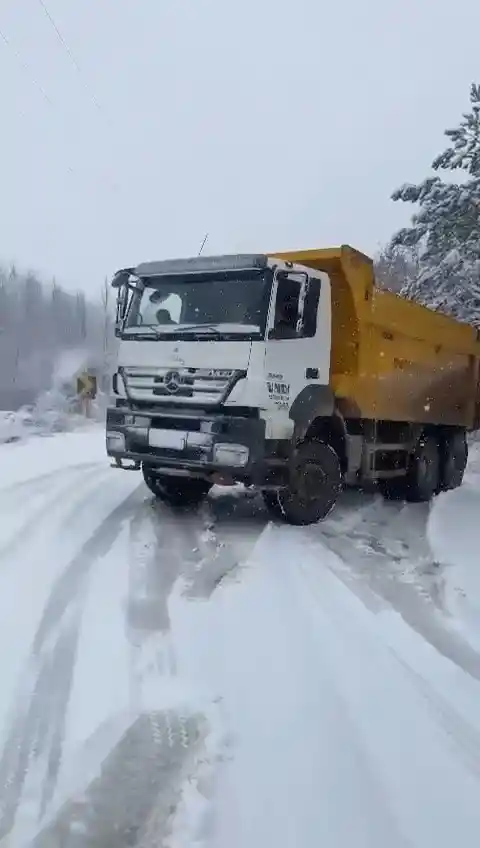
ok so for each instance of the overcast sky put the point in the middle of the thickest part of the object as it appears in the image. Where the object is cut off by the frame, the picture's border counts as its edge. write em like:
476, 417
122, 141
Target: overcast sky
270, 124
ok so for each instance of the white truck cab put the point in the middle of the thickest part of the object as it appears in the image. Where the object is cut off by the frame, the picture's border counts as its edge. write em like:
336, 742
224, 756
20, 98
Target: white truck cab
222, 361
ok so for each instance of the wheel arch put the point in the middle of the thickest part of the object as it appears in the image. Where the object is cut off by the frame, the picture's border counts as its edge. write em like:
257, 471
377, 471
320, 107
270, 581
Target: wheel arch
332, 431
315, 414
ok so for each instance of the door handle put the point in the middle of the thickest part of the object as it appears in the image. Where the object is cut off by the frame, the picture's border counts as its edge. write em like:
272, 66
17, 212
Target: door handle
311, 373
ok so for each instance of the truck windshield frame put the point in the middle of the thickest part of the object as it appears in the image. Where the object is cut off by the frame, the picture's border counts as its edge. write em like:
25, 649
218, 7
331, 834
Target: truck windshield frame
206, 306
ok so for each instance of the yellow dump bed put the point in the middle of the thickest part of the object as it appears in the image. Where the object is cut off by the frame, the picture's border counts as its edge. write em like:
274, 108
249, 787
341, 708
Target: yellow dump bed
393, 359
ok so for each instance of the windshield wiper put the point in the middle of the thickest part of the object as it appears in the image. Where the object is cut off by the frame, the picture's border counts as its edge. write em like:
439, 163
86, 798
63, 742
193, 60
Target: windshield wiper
221, 329
145, 330
186, 329
209, 328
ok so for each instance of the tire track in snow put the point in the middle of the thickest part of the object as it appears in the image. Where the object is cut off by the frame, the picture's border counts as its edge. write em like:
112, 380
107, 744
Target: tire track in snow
411, 714
196, 547
39, 708
40, 483
163, 547
78, 477
164, 741
465, 736
130, 802
385, 555
200, 547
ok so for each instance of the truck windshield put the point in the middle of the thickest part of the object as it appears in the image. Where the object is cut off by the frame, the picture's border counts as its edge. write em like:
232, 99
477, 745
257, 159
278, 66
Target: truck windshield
222, 304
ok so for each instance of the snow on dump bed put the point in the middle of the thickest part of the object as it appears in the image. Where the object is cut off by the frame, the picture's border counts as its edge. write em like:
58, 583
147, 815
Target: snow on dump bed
349, 729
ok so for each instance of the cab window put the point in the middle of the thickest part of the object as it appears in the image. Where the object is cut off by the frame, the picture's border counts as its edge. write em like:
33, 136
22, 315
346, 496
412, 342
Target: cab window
296, 307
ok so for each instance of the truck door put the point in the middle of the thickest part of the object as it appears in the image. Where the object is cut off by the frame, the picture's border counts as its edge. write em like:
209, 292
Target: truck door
298, 342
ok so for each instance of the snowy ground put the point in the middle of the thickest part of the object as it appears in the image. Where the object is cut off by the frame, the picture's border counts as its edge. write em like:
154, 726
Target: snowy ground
208, 679
25, 423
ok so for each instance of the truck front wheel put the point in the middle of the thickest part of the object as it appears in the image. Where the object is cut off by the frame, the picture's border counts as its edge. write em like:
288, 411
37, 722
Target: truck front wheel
177, 491
315, 482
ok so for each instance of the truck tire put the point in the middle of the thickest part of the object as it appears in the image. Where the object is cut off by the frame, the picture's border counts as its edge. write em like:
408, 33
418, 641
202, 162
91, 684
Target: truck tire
177, 491
454, 460
422, 480
316, 480
393, 489
272, 503
423, 477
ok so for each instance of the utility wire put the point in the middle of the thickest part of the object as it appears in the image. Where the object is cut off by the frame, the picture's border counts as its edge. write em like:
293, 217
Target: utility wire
25, 67
52, 103
32, 79
69, 52
59, 34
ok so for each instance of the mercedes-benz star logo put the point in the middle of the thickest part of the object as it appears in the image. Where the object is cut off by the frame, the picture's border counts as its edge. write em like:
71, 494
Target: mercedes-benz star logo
173, 381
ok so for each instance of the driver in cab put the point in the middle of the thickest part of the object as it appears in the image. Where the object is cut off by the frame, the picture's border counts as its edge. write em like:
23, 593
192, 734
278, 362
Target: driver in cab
286, 314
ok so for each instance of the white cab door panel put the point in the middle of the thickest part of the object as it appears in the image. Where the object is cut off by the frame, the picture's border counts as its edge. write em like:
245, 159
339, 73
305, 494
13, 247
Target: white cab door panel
298, 355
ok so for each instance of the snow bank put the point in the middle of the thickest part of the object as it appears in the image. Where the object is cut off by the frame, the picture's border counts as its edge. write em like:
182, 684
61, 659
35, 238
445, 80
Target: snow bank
58, 409
11, 427
454, 537
453, 533
52, 414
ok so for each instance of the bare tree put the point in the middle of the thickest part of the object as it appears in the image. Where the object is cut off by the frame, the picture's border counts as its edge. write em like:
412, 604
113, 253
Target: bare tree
37, 324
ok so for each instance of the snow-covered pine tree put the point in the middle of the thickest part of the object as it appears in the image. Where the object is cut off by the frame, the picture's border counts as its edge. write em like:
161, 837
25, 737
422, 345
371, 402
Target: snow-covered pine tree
395, 267
445, 232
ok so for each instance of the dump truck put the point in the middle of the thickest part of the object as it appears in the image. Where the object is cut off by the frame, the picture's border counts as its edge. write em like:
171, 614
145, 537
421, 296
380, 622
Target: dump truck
290, 372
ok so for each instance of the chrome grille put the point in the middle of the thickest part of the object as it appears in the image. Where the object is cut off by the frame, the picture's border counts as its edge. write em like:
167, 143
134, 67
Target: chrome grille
204, 386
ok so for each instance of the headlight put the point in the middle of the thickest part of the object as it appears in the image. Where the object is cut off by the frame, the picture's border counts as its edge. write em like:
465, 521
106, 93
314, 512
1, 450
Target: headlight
115, 442
225, 453
140, 422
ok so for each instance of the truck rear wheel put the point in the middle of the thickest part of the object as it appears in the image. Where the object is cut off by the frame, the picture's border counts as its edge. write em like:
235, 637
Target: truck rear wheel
177, 491
423, 477
454, 460
422, 480
316, 481
272, 503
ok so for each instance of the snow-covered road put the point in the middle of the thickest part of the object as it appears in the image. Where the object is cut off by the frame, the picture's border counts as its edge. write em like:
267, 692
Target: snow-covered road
208, 679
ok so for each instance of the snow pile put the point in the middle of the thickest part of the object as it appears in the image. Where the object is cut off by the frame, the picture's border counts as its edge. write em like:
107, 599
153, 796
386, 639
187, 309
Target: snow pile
11, 427
454, 536
57, 410
53, 413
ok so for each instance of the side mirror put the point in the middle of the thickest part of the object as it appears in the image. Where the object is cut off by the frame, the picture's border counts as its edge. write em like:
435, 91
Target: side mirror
304, 288
121, 278
122, 303
121, 282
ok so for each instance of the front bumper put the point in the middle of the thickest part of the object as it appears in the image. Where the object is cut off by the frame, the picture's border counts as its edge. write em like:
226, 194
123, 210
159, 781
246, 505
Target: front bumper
189, 442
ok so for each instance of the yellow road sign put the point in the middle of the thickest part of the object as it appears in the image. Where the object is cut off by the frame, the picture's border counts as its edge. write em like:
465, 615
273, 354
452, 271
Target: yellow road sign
87, 385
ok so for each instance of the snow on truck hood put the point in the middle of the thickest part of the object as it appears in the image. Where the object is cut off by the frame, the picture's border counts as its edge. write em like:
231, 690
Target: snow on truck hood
194, 354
